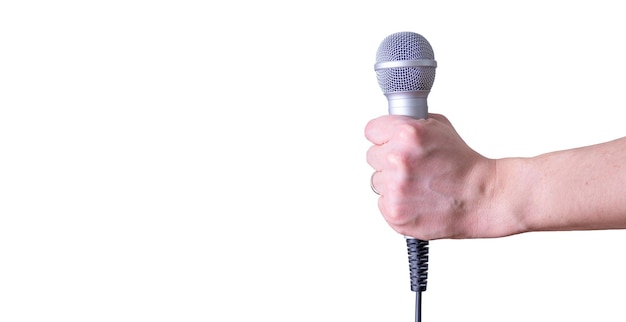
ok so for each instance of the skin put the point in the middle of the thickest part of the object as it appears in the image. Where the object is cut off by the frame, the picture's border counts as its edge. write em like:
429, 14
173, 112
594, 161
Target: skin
432, 185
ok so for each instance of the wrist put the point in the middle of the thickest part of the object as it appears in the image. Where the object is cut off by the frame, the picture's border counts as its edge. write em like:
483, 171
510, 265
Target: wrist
513, 196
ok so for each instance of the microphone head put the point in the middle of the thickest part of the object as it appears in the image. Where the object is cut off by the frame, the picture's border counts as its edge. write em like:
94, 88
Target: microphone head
405, 62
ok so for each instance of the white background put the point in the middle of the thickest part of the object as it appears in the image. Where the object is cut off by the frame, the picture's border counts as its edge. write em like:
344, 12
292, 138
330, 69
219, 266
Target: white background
205, 161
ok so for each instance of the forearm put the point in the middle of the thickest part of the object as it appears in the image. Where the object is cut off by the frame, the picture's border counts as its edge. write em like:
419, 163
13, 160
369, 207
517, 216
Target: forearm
577, 189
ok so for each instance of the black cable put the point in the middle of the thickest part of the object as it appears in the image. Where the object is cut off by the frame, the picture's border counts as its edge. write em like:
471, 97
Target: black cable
418, 306
418, 266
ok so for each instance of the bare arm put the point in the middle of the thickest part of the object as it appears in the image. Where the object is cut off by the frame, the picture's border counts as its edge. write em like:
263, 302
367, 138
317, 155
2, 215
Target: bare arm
577, 189
434, 186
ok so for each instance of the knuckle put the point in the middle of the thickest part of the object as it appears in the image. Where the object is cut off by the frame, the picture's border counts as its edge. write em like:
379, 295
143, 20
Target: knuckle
409, 132
399, 159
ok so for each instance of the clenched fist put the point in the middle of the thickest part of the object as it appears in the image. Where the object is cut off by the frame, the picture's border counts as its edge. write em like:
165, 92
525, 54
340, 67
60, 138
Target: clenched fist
431, 184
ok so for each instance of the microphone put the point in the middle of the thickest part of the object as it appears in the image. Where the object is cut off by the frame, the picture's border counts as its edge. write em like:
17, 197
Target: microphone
405, 69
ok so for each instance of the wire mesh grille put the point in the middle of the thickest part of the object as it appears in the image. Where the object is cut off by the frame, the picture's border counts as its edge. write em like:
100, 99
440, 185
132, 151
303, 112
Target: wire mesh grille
405, 46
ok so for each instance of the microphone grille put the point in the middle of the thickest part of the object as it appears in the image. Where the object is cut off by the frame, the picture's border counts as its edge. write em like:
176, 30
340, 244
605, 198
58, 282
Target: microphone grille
405, 46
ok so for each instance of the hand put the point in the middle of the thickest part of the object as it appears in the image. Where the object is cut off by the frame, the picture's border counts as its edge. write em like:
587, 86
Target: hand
432, 185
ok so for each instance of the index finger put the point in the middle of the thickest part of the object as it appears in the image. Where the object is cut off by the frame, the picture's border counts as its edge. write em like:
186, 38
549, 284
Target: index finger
380, 129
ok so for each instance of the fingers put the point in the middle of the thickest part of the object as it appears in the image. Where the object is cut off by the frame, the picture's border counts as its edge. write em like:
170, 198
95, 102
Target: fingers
374, 157
375, 131
394, 137
380, 130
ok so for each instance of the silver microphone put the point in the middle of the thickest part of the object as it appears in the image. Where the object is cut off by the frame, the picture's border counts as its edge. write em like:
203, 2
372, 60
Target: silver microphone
405, 69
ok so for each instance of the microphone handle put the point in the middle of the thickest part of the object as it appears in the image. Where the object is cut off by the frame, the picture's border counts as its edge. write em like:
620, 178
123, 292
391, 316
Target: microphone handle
413, 104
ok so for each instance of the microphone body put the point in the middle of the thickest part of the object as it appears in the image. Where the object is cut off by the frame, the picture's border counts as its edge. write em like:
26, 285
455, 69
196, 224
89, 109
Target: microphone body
405, 69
